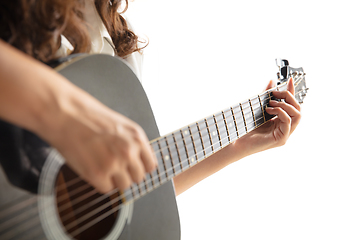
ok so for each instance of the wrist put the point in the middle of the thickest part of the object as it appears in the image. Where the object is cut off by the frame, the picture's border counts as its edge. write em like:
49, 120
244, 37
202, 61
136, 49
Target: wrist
243, 147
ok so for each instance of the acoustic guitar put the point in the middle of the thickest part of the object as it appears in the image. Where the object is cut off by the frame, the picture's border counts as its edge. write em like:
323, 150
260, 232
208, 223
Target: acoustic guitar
42, 198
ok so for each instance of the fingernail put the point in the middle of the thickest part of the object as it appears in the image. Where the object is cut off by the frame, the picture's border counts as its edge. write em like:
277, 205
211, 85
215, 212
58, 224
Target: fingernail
273, 102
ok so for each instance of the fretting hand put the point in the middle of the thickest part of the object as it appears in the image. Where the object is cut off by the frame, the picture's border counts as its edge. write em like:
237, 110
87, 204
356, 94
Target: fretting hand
276, 131
272, 134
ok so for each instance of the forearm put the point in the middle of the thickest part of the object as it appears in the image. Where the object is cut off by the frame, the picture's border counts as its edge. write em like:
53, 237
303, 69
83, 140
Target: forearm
24, 95
210, 165
30, 92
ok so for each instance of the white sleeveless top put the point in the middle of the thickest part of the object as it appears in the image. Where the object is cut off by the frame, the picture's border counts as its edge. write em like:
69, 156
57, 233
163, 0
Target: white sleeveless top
100, 40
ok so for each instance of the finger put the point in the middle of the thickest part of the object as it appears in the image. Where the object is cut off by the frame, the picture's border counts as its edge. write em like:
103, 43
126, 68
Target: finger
136, 170
128, 157
270, 85
99, 182
290, 86
147, 155
133, 147
288, 97
88, 169
148, 158
121, 180
290, 110
285, 121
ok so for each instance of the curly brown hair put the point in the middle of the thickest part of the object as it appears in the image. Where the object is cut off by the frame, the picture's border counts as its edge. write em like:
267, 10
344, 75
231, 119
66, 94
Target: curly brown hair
35, 26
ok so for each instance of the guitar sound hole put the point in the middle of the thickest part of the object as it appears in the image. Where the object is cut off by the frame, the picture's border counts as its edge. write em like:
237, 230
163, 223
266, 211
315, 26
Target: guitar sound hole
84, 213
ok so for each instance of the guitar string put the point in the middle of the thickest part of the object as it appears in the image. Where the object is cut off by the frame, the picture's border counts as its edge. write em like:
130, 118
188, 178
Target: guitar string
199, 132
174, 166
98, 210
76, 180
123, 197
219, 141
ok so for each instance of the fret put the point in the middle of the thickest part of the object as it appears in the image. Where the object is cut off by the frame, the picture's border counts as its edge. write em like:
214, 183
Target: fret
140, 188
248, 116
161, 168
229, 124
197, 141
155, 178
174, 155
217, 131
239, 120
216, 134
188, 146
203, 155
262, 110
135, 191
235, 124
244, 119
213, 133
193, 146
165, 154
148, 182
257, 111
209, 134
265, 99
221, 129
252, 111
206, 139
181, 150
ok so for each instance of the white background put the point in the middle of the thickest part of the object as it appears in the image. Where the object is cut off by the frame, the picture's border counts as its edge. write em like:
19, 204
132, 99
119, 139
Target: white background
205, 55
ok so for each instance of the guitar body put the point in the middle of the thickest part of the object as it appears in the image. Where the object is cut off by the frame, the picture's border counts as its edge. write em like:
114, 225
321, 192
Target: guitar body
31, 164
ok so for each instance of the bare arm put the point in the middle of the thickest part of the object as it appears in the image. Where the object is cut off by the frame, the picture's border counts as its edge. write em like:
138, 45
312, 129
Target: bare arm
86, 132
272, 134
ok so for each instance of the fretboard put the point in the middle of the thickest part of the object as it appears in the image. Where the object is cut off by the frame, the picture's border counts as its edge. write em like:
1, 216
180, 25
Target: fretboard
178, 151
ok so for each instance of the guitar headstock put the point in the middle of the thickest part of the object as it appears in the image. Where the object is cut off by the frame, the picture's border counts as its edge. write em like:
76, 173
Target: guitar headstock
286, 72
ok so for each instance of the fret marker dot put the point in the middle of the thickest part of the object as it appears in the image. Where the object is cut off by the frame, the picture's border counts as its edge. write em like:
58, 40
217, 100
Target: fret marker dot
214, 133
192, 159
186, 132
230, 124
167, 157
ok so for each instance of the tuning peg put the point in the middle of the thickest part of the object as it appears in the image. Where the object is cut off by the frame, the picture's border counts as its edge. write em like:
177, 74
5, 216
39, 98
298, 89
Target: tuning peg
281, 62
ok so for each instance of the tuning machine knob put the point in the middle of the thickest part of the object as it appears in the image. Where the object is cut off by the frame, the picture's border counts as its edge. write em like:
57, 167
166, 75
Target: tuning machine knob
283, 73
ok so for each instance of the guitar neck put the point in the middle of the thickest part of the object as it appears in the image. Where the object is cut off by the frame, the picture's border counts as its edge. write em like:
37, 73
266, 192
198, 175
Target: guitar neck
184, 148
